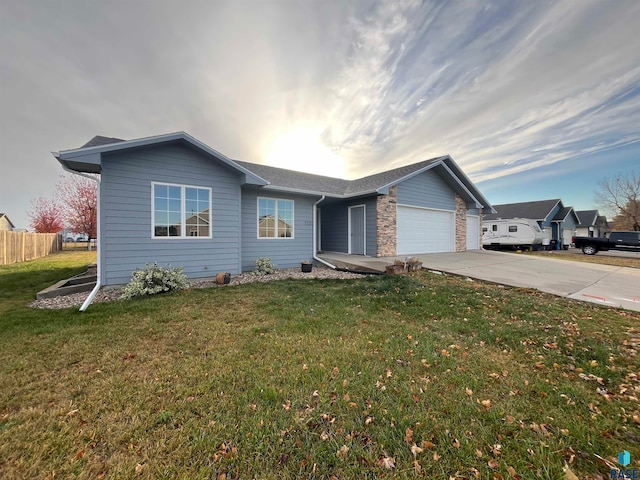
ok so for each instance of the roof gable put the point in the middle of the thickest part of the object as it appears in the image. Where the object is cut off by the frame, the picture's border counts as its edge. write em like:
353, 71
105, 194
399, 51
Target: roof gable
4, 215
587, 218
88, 158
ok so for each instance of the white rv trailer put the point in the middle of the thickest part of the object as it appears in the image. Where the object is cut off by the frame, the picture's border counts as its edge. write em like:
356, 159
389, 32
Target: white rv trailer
511, 233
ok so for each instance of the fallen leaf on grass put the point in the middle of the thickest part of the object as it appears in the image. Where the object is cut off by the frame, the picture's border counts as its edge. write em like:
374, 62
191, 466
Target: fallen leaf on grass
408, 435
568, 474
415, 450
140, 468
513, 473
342, 453
287, 406
388, 462
493, 463
469, 391
417, 468
436, 457
478, 453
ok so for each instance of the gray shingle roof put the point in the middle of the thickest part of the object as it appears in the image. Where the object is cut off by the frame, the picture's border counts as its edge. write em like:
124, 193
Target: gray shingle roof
281, 177
587, 218
562, 213
535, 210
291, 179
99, 140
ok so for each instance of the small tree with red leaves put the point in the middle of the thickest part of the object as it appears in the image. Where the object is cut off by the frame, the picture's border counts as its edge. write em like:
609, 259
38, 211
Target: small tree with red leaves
79, 199
47, 216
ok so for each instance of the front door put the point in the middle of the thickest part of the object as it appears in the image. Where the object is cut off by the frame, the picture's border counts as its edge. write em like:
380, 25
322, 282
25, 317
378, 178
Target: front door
357, 230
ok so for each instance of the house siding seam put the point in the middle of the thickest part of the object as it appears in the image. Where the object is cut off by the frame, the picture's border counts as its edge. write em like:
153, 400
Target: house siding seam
386, 214
461, 224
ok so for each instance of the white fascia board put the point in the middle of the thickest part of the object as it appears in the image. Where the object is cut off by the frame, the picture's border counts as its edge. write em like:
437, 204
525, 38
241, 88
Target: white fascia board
481, 202
462, 185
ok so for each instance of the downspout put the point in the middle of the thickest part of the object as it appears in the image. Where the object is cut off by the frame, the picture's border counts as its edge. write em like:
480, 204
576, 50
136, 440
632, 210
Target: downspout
315, 234
93, 293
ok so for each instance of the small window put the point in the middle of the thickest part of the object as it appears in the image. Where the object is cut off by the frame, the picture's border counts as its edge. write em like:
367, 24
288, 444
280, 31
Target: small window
494, 227
275, 218
513, 228
484, 230
181, 211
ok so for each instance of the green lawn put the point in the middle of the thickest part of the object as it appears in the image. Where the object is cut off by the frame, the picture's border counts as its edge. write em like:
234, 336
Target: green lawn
426, 376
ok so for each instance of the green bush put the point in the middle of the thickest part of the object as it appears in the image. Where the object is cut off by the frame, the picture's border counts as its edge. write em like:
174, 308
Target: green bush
153, 279
264, 266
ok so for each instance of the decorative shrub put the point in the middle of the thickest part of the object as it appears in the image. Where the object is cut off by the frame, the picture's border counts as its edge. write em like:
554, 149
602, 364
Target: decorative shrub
153, 279
264, 266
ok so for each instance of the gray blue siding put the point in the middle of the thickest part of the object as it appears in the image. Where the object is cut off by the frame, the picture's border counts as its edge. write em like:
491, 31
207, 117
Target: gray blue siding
126, 218
284, 252
335, 228
428, 190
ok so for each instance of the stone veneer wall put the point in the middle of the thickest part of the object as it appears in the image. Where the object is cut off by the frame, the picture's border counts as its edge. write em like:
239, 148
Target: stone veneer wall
480, 229
386, 231
461, 224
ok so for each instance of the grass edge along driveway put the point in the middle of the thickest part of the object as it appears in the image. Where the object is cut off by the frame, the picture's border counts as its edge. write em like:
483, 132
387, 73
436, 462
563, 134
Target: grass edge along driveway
407, 377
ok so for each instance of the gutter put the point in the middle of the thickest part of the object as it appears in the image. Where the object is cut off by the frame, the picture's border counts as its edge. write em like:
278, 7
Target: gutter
93, 293
315, 234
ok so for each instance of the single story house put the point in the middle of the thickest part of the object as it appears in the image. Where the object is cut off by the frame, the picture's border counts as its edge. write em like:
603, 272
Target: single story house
591, 224
171, 199
5, 223
556, 221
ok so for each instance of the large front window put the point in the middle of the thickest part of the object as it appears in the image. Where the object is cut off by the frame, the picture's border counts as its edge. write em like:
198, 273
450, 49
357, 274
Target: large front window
181, 211
275, 218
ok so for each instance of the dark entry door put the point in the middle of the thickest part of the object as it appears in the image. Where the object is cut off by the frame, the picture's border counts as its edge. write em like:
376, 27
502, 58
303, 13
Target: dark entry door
356, 230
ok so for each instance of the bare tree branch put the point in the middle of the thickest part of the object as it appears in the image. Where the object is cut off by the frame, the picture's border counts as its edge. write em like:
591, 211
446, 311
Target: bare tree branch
619, 197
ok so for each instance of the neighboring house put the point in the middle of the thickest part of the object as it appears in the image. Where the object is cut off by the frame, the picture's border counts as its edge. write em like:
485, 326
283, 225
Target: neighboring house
5, 223
173, 200
557, 221
591, 224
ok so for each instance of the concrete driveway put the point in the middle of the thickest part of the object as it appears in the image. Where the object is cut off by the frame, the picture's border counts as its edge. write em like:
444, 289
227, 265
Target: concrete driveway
602, 284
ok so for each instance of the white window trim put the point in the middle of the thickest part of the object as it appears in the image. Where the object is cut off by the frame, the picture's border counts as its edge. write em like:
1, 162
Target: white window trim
183, 217
293, 233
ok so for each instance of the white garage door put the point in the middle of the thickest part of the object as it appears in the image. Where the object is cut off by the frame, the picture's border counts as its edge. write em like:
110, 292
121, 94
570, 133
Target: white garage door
473, 232
420, 230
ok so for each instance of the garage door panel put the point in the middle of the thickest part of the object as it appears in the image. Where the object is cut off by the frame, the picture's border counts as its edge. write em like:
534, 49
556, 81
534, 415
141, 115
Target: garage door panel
422, 230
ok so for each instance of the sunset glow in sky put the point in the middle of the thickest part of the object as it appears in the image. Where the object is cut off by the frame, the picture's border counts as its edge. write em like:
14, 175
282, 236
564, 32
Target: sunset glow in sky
533, 99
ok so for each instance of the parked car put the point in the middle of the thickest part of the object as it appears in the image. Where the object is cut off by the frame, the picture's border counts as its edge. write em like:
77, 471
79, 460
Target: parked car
76, 238
626, 241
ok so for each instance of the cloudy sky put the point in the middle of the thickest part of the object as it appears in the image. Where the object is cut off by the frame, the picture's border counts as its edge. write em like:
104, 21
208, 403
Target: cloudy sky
533, 99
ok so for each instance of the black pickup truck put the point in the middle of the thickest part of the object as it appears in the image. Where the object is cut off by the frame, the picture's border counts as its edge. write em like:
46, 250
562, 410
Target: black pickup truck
627, 241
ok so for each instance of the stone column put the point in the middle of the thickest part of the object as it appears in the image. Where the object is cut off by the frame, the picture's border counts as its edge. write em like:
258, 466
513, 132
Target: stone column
386, 223
461, 224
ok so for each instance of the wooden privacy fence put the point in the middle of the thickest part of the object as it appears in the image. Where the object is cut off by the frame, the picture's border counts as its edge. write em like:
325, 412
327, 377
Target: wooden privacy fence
22, 246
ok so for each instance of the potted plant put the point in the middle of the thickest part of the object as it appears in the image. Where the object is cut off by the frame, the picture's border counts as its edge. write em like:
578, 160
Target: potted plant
306, 266
223, 278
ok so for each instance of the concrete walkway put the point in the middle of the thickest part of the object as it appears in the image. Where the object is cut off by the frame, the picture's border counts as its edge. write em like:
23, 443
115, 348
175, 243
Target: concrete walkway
602, 284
